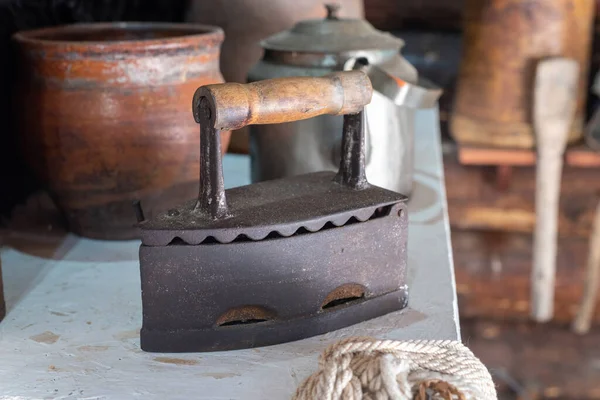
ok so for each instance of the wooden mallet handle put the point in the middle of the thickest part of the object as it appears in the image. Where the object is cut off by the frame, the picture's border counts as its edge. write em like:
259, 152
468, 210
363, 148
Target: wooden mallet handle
555, 95
279, 100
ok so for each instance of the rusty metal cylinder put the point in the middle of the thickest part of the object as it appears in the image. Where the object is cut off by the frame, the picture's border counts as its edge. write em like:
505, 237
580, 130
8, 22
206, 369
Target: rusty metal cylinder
503, 41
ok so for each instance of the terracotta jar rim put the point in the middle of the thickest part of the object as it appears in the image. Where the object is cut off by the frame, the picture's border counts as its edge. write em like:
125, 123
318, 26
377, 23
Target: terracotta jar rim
97, 36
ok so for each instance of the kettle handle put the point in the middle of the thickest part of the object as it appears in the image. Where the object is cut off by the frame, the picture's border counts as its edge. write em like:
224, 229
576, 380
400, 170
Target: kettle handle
423, 94
279, 100
232, 106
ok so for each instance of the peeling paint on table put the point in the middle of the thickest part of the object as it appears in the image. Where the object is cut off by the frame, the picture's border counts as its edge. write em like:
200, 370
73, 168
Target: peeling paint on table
72, 327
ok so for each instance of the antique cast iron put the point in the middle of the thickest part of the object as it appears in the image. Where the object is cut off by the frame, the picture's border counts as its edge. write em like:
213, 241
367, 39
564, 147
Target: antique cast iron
279, 260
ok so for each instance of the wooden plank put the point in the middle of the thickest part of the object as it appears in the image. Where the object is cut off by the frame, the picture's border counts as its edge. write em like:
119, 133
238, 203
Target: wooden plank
583, 157
495, 156
578, 155
582, 321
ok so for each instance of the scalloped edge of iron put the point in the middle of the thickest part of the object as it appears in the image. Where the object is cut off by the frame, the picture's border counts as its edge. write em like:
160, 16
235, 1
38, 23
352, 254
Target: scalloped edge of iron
196, 237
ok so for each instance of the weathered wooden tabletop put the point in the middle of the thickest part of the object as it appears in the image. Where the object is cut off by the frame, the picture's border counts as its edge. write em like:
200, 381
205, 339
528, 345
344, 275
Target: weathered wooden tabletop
74, 313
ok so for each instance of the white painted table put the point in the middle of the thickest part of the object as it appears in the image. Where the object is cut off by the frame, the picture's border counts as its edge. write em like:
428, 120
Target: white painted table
74, 315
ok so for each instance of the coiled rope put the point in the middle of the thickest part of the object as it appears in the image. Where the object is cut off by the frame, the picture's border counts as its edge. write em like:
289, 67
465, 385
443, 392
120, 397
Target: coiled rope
371, 369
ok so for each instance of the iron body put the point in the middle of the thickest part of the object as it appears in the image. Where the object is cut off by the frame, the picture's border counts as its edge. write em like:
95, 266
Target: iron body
275, 261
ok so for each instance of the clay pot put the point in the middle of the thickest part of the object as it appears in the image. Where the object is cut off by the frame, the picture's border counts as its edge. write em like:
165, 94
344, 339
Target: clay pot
247, 22
104, 115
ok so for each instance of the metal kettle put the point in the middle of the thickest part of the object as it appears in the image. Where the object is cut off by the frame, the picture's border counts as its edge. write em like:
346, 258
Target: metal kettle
319, 47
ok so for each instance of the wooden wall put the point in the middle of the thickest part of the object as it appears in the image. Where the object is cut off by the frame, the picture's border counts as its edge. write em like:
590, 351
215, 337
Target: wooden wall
492, 238
492, 243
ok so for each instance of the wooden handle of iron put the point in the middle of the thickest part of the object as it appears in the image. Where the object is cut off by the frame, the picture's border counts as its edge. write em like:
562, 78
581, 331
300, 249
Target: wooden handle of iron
274, 101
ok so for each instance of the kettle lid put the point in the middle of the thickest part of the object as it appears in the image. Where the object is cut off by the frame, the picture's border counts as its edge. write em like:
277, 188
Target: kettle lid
332, 35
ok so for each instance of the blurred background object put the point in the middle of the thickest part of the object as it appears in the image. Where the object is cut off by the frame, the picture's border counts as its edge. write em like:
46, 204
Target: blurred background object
103, 117
16, 180
503, 41
320, 46
247, 22
583, 320
555, 89
592, 131
391, 15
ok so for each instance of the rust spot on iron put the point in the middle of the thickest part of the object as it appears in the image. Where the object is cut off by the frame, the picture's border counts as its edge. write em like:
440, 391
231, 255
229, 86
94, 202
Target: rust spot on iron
245, 314
343, 294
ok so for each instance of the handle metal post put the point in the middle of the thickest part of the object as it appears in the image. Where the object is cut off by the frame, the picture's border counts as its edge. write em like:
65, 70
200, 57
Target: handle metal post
352, 166
211, 199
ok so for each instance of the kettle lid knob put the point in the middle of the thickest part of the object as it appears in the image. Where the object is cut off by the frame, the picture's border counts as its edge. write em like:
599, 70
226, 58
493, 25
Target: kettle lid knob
332, 10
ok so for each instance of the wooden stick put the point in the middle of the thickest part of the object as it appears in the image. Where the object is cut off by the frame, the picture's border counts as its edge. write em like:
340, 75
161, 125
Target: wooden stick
582, 321
578, 156
553, 109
